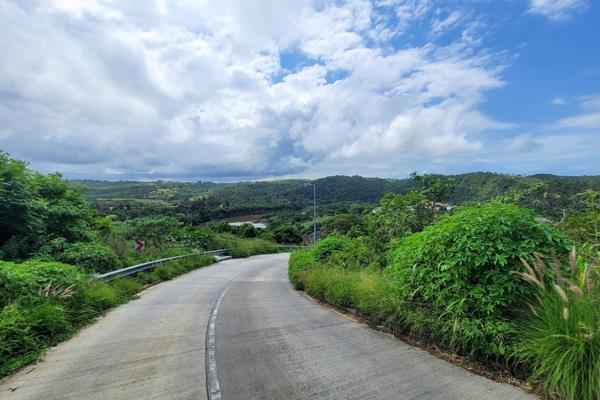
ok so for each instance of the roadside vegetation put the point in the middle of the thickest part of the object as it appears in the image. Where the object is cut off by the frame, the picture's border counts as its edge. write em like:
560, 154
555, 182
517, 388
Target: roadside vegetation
478, 264
44, 303
51, 240
494, 281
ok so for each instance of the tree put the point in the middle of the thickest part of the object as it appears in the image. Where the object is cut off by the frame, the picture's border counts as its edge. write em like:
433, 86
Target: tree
287, 235
434, 188
36, 208
396, 216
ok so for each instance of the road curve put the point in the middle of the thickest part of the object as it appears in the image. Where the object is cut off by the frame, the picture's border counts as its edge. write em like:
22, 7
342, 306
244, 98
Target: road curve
270, 342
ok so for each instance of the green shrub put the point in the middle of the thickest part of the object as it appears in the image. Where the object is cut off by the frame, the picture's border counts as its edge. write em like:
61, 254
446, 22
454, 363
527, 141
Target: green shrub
101, 296
90, 257
355, 254
24, 281
287, 234
325, 247
300, 262
127, 286
18, 345
459, 269
50, 322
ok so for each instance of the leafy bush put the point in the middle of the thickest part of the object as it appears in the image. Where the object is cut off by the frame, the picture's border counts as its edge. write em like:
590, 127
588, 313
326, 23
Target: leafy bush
36, 208
90, 257
153, 229
396, 216
287, 235
460, 269
356, 254
325, 247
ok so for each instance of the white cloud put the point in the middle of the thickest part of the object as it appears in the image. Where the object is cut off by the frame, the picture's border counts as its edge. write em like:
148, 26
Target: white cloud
193, 89
522, 144
441, 25
589, 119
557, 10
558, 101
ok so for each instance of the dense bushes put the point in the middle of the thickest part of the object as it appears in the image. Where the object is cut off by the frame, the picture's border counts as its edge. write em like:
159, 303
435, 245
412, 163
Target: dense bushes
36, 208
90, 257
460, 268
324, 248
43, 303
457, 285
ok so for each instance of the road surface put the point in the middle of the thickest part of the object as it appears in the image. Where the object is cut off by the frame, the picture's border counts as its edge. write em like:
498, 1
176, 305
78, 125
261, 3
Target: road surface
265, 341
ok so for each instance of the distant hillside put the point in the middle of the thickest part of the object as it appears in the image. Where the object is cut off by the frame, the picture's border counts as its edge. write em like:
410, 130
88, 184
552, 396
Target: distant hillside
203, 201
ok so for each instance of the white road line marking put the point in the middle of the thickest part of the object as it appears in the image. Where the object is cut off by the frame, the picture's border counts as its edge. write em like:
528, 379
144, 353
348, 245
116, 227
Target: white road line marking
213, 388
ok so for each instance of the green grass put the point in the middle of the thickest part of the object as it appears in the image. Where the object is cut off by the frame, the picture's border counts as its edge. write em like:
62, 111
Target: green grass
559, 340
43, 304
241, 248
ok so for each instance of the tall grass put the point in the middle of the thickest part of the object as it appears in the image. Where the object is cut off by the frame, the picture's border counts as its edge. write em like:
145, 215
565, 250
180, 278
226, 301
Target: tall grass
560, 338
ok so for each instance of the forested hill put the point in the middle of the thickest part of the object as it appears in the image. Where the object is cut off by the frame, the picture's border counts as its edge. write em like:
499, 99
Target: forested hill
203, 201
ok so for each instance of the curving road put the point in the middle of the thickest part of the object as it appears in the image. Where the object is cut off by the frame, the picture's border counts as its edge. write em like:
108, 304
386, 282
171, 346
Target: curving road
265, 341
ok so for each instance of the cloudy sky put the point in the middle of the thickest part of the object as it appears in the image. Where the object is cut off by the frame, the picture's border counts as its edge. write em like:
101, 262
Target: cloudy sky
253, 89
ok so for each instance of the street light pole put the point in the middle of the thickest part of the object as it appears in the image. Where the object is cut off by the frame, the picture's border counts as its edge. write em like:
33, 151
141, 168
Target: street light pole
314, 185
314, 214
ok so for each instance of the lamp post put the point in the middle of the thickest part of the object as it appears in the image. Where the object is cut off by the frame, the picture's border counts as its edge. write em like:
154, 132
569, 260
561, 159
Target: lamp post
314, 185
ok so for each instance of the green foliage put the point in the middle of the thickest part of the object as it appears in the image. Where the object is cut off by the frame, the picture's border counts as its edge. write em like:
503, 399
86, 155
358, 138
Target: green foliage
43, 303
342, 224
23, 282
460, 269
153, 230
300, 262
36, 208
287, 235
17, 213
249, 247
90, 257
18, 345
396, 216
356, 254
247, 231
583, 225
325, 247
559, 339
434, 188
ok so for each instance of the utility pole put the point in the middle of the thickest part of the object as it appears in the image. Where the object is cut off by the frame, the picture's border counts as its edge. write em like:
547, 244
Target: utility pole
314, 185
314, 214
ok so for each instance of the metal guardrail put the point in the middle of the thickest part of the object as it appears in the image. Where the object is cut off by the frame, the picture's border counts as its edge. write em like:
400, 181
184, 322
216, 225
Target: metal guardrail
134, 269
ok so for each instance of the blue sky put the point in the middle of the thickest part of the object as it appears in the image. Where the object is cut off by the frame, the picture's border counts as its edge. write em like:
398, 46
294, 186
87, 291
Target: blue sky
239, 90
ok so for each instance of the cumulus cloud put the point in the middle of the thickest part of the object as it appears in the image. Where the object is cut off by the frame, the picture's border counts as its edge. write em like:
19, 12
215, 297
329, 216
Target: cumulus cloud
187, 89
557, 10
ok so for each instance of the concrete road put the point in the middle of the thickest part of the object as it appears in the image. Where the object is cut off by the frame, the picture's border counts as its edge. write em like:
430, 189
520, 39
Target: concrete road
265, 341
